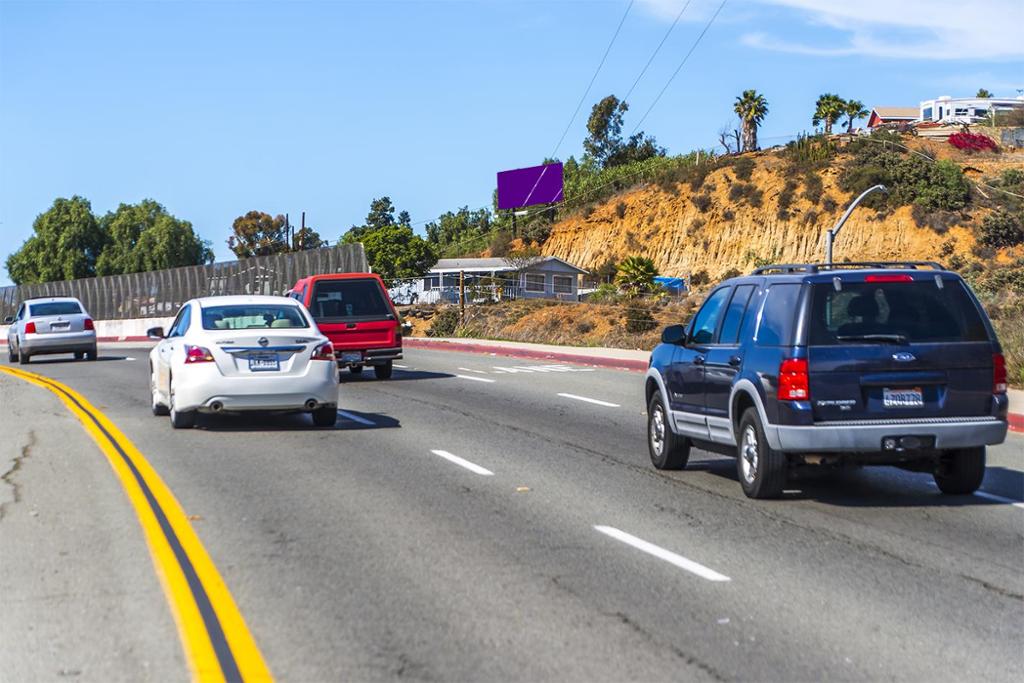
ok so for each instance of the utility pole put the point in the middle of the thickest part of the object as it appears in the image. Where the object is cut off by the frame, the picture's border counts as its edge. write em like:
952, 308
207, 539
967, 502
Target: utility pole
462, 297
302, 232
287, 233
831, 235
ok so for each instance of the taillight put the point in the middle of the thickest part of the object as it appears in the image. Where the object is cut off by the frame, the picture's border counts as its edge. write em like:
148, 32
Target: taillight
998, 373
889, 278
323, 352
794, 384
398, 332
30, 328
89, 325
197, 354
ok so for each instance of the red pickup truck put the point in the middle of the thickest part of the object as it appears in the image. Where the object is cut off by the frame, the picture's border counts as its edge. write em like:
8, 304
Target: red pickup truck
354, 311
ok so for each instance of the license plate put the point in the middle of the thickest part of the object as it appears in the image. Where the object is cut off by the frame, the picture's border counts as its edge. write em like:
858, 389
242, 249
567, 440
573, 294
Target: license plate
264, 362
59, 327
902, 398
351, 356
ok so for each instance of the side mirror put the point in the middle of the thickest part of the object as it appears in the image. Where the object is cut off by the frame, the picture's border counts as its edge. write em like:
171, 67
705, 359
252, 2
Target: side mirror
155, 333
673, 334
8, 320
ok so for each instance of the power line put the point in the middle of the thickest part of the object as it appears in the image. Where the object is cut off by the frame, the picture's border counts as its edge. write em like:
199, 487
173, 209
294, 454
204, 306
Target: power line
680, 67
655, 53
593, 78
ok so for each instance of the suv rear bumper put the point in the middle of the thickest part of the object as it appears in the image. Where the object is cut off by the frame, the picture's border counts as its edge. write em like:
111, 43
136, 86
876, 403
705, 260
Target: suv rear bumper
866, 436
370, 356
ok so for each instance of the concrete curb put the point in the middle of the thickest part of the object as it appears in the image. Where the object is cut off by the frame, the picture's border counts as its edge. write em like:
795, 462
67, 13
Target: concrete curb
1015, 420
516, 352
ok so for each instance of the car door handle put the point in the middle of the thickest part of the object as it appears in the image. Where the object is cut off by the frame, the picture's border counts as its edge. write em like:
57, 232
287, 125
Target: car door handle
699, 360
735, 361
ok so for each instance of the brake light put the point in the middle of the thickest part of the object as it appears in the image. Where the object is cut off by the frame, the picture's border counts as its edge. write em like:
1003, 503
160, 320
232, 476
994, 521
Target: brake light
998, 373
89, 325
794, 383
323, 352
889, 278
30, 328
197, 354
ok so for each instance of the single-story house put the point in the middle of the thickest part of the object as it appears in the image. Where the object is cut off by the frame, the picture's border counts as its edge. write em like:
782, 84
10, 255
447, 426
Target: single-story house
547, 277
881, 116
962, 110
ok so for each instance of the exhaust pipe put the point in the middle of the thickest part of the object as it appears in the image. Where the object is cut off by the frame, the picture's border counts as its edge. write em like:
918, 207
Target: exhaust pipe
216, 406
311, 404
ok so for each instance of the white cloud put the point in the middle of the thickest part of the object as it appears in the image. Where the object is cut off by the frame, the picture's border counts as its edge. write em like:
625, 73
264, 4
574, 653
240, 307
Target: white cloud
897, 29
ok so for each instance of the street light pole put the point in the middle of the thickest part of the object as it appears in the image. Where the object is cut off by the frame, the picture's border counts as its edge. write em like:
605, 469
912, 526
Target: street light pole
831, 235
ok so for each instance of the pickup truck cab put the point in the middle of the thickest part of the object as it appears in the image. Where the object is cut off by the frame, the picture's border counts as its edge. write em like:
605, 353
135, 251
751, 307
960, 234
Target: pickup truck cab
354, 311
815, 364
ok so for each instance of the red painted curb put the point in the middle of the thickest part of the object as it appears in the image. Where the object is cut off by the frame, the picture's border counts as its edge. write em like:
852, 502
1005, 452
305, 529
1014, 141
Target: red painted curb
1016, 422
579, 359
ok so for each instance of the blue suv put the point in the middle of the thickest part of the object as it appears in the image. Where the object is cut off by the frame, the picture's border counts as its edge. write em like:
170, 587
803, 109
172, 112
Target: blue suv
864, 363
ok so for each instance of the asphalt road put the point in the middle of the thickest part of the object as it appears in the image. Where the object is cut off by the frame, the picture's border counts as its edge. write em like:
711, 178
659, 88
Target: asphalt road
486, 518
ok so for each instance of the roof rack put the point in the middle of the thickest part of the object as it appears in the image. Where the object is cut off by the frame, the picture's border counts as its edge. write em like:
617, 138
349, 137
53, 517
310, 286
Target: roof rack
818, 267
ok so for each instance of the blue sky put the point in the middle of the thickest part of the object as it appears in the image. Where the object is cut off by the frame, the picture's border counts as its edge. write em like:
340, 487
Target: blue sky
214, 109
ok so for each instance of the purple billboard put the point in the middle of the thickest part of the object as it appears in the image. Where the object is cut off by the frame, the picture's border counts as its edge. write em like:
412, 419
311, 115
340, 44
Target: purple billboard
528, 186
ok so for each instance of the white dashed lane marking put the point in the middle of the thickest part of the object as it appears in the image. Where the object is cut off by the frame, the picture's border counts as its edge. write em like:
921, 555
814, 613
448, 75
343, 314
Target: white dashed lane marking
999, 499
356, 418
475, 379
662, 554
461, 462
595, 401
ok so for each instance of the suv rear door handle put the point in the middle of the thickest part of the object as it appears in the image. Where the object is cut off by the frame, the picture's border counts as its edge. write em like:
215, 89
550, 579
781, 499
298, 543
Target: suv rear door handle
699, 360
735, 361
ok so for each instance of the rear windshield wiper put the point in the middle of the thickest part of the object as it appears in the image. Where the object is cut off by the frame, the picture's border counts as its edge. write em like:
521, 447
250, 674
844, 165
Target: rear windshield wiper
879, 338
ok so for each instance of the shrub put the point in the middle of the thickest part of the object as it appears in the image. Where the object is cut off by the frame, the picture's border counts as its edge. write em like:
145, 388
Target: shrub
829, 204
809, 152
620, 210
501, 243
1001, 229
444, 323
972, 142
813, 187
636, 275
731, 273
743, 167
940, 221
699, 278
695, 225
606, 292
810, 217
728, 215
1011, 177
639, 318
701, 201
747, 192
786, 198
588, 211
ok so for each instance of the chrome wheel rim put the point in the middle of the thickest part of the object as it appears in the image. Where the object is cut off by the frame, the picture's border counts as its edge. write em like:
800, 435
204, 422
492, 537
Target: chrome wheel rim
748, 454
657, 431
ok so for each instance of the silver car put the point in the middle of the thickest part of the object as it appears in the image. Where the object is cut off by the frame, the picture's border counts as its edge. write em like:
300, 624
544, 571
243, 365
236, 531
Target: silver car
58, 324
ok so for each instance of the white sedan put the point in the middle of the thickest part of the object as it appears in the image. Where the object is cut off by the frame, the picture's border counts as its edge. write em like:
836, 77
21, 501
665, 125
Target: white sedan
237, 353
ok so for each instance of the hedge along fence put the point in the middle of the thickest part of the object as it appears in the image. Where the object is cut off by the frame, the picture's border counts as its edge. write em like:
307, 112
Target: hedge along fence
160, 293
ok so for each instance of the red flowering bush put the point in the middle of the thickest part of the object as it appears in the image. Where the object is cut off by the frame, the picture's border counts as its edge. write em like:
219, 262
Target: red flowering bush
971, 142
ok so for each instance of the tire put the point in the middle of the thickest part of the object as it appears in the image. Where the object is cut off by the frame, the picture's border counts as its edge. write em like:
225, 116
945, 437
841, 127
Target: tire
22, 357
356, 369
12, 357
761, 469
383, 371
180, 419
960, 472
325, 416
159, 409
91, 354
79, 355
668, 450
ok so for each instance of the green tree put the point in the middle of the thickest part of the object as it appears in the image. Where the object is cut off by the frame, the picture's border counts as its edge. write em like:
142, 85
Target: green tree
144, 236
984, 94
827, 110
853, 110
307, 238
605, 145
461, 230
258, 234
66, 242
636, 275
382, 214
394, 252
751, 107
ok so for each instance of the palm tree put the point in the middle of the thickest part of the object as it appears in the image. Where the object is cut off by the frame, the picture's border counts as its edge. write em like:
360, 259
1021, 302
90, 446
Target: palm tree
827, 110
751, 107
854, 110
636, 275
983, 94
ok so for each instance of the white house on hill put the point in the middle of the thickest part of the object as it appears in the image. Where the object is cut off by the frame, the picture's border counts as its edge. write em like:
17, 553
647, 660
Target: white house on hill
548, 277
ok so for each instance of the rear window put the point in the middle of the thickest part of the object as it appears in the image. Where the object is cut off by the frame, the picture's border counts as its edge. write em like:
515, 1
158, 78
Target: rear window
54, 308
252, 316
348, 299
913, 311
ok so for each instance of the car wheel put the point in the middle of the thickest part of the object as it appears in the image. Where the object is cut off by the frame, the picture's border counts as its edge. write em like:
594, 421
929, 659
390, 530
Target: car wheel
185, 419
668, 450
384, 371
356, 369
325, 416
91, 354
961, 471
22, 357
12, 356
761, 469
159, 409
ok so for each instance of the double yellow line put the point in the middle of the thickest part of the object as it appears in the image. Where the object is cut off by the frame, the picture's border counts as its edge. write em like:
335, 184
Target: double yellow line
217, 643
